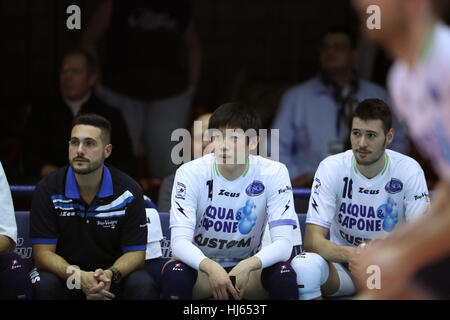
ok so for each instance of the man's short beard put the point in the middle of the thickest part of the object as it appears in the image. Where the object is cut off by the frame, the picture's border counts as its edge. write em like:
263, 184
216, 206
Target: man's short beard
91, 168
375, 160
362, 163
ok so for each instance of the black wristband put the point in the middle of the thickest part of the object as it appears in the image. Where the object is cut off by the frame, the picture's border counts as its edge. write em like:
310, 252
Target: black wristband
116, 275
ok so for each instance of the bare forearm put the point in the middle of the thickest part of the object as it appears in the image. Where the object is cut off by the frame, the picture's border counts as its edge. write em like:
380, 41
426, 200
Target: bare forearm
51, 262
129, 262
97, 27
6, 245
207, 265
253, 263
330, 251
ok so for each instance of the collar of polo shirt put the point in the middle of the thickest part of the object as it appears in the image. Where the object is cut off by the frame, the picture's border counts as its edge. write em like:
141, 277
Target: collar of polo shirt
106, 188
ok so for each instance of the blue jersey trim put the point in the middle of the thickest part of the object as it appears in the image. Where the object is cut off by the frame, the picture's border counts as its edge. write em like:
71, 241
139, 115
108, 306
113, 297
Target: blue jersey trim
283, 222
43, 241
141, 247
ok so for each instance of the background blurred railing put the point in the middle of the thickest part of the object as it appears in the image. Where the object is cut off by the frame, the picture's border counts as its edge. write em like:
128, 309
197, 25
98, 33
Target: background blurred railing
23, 190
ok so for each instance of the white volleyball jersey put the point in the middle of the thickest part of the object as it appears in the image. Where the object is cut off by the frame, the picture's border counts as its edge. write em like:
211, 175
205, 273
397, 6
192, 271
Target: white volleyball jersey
421, 97
229, 217
8, 226
356, 208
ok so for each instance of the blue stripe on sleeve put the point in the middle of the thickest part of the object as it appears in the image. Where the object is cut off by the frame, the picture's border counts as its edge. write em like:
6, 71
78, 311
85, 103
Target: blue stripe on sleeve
282, 222
141, 247
43, 240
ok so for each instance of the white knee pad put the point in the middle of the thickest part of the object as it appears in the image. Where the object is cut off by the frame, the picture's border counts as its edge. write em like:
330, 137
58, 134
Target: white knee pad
312, 272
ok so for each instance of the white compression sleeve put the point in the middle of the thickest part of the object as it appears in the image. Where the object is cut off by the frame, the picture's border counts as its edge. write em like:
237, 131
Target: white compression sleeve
183, 248
280, 249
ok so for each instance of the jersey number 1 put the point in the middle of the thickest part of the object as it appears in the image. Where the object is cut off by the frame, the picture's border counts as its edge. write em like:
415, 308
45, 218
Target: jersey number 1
209, 183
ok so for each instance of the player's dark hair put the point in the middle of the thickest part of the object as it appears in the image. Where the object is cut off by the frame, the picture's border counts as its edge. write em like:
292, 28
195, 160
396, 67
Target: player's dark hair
91, 63
374, 109
344, 29
235, 115
440, 8
95, 120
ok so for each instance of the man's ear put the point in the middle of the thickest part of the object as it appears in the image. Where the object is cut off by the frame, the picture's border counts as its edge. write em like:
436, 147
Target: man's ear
253, 143
108, 150
390, 136
92, 79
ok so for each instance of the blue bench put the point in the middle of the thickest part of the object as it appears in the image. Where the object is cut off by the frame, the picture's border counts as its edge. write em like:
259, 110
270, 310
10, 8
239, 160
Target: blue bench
24, 249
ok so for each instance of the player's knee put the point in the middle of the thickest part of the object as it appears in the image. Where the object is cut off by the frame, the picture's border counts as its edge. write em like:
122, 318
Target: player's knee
177, 281
139, 285
280, 281
46, 285
312, 272
14, 281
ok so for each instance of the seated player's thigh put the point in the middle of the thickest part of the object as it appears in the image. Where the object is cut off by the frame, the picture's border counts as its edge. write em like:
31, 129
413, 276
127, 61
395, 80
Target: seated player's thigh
253, 291
202, 289
332, 284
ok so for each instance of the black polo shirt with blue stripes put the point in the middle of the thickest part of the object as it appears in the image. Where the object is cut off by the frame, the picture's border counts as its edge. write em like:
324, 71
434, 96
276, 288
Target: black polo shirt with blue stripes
89, 236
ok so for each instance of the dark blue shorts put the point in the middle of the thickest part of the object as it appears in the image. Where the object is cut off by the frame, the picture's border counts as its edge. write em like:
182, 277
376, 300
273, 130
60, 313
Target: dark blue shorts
15, 284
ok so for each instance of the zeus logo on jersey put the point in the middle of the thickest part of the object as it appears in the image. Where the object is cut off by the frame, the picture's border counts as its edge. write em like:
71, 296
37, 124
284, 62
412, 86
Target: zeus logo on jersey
223, 219
367, 191
222, 192
67, 213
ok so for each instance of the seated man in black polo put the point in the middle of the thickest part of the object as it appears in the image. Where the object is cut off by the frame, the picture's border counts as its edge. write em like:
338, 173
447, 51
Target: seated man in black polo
90, 216
48, 126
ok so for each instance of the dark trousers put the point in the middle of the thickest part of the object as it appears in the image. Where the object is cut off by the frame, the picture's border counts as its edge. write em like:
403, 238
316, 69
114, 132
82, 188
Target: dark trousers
138, 285
15, 283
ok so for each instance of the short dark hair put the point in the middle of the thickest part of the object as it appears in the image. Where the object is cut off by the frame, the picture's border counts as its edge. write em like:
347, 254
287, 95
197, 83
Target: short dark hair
440, 7
344, 29
91, 62
374, 109
95, 120
235, 115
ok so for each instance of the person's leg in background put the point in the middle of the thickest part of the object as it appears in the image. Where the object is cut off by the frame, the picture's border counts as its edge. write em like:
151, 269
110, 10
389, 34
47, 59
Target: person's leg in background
162, 118
133, 112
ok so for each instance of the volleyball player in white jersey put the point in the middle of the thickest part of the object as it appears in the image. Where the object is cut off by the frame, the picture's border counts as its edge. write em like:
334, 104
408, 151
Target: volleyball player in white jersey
357, 196
417, 257
220, 207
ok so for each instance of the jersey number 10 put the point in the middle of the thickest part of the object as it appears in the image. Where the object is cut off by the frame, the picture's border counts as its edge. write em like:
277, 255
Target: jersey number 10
347, 188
